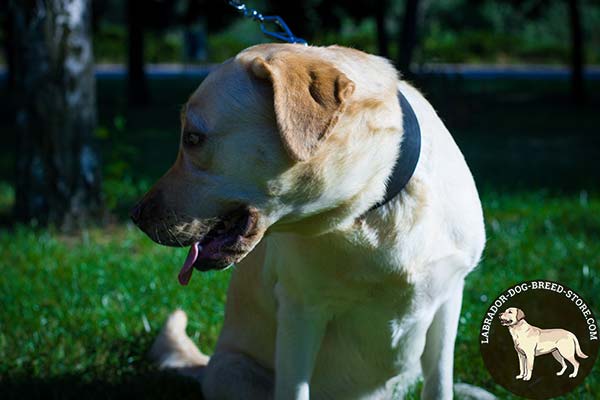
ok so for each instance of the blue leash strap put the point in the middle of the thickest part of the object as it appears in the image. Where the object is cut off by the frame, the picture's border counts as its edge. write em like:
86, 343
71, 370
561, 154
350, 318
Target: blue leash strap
285, 34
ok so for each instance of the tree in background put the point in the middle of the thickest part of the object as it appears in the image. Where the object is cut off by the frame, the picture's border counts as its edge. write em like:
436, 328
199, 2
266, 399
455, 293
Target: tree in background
9, 48
409, 34
381, 11
137, 82
577, 57
299, 15
58, 174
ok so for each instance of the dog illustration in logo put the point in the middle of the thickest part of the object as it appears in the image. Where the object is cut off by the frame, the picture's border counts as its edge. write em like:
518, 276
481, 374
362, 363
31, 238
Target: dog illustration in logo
531, 341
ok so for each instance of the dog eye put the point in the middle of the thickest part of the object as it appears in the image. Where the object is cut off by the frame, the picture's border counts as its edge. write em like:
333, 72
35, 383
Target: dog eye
193, 138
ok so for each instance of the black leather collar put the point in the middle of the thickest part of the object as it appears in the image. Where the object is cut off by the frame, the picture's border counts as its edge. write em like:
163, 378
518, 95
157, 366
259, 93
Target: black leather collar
410, 149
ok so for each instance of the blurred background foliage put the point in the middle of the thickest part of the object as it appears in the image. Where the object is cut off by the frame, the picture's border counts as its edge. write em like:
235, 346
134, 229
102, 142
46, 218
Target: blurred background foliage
481, 31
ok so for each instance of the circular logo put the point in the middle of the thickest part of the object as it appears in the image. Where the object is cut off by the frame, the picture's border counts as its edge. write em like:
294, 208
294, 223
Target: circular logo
539, 339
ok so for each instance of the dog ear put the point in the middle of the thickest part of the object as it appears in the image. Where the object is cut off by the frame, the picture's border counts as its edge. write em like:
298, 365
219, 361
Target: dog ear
309, 95
520, 314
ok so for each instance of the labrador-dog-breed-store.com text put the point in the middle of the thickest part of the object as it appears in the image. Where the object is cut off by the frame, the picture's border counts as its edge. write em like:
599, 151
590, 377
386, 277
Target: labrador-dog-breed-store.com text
350, 214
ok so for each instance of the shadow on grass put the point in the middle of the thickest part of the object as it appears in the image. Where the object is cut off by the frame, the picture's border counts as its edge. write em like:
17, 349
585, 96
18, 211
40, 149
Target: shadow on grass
150, 385
126, 373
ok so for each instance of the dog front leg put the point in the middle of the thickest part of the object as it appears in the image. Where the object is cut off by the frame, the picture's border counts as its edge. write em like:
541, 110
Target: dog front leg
521, 365
529, 359
300, 330
437, 360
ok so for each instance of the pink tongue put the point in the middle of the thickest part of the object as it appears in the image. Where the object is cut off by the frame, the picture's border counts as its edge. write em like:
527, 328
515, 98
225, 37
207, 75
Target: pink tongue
188, 266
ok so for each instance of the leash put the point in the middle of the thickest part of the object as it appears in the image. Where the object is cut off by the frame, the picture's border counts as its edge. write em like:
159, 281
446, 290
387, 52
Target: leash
410, 147
285, 36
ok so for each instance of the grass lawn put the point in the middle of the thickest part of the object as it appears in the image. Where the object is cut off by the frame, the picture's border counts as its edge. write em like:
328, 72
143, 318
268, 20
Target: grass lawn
80, 312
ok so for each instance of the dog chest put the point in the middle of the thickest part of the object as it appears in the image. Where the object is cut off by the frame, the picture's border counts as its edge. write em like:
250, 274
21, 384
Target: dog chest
369, 345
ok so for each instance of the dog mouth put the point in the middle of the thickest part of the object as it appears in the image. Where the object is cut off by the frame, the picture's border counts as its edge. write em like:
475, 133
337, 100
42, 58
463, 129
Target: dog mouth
226, 243
505, 322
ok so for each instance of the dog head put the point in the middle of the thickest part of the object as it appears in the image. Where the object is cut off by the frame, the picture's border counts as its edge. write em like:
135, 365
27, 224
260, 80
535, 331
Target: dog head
511, 316
266, 144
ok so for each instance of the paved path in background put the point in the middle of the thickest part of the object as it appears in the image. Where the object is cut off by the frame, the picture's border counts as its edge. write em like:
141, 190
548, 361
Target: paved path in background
467, 71
474, 71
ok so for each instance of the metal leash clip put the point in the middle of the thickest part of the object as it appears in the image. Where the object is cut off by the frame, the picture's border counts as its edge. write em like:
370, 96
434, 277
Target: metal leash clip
285, 36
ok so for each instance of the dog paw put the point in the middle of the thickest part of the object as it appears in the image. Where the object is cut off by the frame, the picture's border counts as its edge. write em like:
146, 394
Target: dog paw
527, 378
572, 375
519, 377
177, 321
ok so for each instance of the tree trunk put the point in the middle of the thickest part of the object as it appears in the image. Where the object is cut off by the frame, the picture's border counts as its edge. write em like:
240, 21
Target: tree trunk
295, 15
136, 74
9, 48
381, 9
577, 57
58, 175
408, 35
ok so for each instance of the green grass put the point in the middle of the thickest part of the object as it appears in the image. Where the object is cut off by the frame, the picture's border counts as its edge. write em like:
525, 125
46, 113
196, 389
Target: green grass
80, 312
85, 308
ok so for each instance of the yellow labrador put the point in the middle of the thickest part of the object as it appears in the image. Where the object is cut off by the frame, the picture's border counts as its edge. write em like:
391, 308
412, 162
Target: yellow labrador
531, 341
285, 150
